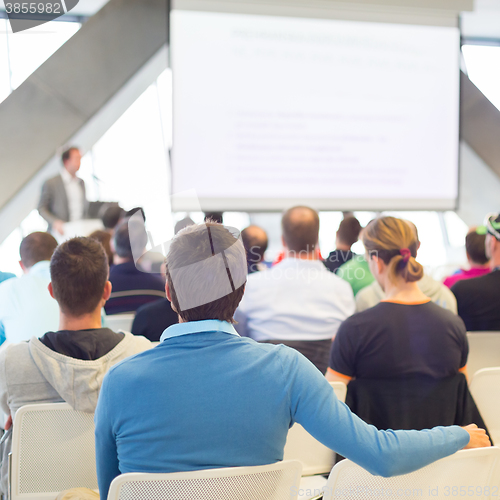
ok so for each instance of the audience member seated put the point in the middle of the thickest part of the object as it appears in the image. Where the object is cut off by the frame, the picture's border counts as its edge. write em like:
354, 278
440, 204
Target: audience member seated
26, 307
255, 242
347, 235
151, 320
439, 294
132, 288
104, 238
357, 273
183, 223
475, 250
68, 364
297, 302
207, 398
406, 335
111, 217
6, 276
477, 298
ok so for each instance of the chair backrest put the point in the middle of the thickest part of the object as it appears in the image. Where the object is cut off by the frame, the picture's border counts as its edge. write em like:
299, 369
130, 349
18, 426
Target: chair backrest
485, 389
117, 322
315, 457
484, 351
52, 450
468, 473
279, 481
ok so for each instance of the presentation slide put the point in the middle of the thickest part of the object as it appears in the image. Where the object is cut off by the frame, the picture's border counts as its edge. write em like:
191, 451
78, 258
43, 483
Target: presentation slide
269, 112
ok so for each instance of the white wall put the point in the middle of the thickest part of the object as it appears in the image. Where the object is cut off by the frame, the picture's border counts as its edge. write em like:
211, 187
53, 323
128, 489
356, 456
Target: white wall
479, 191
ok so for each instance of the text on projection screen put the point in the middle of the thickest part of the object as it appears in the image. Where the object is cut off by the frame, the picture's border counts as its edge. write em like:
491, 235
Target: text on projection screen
272, 107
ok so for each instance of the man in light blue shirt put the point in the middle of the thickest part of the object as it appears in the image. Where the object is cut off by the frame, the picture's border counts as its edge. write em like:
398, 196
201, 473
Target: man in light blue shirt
298, 302
207, 398
26, 307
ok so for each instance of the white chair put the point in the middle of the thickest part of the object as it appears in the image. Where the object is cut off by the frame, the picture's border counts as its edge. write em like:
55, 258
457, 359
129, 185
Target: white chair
52, 450
314, 456
467, 474
122, 322
485, 389
484, 351
277, 481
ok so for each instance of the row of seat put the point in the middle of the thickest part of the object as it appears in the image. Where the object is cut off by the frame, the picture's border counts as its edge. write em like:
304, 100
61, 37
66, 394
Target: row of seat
53, 450
471, 473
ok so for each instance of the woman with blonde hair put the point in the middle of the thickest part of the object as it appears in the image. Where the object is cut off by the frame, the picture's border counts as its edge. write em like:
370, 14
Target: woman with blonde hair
406, 333
404, 337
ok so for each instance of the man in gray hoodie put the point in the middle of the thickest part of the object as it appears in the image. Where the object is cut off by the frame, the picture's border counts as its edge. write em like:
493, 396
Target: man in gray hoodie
67, 365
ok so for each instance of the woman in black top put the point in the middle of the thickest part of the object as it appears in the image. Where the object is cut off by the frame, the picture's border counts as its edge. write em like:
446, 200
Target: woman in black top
406, 334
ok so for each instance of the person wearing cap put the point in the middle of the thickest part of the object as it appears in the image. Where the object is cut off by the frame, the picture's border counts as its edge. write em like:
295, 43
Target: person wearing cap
478, 298
207, 398
406, 334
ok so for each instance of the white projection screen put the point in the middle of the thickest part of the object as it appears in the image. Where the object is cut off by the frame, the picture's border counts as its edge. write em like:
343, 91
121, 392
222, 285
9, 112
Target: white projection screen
273, 111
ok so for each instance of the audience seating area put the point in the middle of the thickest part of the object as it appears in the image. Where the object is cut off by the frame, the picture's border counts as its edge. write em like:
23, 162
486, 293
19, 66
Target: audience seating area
53, 445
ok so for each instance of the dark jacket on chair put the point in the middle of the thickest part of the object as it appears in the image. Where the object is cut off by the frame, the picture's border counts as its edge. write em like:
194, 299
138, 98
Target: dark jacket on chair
413, 403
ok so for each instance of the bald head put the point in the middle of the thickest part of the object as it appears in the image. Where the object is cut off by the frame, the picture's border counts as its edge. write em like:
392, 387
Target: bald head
300, 226
255, 242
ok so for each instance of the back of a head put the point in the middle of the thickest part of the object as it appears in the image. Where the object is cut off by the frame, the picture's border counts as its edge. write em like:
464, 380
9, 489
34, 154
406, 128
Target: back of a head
37, 247
182, 224
214, 217
390, 239
112, 216
121, 239
79, 271
300, 227
255, 242
104, 238
206, 272
67, 154
475, 247
349, 229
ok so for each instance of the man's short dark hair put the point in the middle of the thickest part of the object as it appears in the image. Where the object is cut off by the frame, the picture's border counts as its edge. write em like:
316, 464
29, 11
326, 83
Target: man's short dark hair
349, 229
123, 247
255, 242
67, 153
475, 247
111, 216
214, 217
195, 246
300, 226
37, 247
79, 270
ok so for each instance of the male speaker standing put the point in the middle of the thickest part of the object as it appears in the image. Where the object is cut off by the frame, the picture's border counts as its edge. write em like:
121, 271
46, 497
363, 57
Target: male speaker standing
63, 196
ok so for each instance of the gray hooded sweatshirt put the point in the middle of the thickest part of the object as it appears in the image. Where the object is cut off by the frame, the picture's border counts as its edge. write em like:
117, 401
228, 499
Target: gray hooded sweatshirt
31, 373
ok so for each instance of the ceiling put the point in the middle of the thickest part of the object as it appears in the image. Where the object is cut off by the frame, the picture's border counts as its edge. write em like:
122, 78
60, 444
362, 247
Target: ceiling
483, 22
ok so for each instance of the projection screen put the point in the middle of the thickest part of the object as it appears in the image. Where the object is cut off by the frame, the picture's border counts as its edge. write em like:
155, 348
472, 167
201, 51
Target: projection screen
272, 111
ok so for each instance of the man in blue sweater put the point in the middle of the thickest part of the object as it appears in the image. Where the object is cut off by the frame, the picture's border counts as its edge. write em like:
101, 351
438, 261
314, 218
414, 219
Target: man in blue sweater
207, 398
